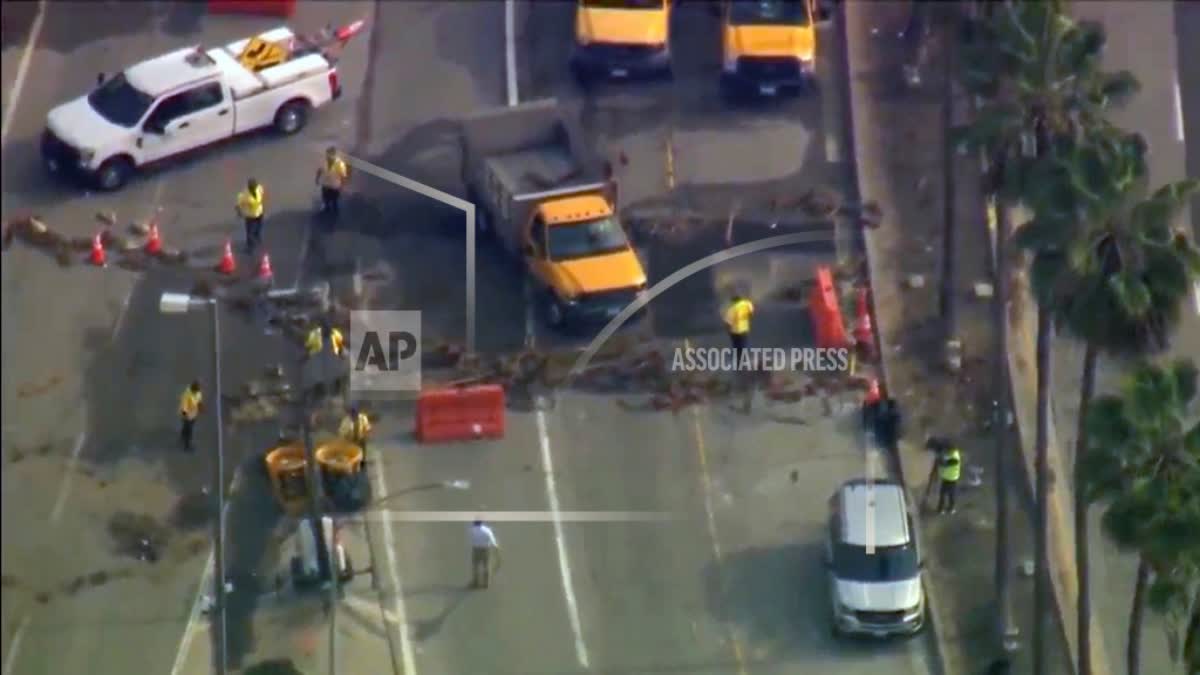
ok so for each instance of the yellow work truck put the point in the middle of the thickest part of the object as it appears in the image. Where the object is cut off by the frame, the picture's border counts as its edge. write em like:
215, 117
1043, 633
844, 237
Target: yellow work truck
622, 38
543, 195
768, 46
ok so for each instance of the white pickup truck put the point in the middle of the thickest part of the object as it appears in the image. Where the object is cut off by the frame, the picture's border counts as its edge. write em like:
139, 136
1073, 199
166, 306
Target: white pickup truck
186, 100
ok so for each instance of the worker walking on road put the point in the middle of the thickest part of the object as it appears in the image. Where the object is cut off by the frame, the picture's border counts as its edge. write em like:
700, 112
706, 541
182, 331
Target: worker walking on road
356, 428
737, 318
332, 176
321, 333
250, 206
485, 551
325, 348
190, 405
949, 471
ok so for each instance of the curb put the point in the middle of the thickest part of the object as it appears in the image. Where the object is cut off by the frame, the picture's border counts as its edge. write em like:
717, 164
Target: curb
936, 617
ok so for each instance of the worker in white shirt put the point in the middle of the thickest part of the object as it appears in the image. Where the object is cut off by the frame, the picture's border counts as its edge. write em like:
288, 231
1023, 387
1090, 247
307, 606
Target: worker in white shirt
483, 548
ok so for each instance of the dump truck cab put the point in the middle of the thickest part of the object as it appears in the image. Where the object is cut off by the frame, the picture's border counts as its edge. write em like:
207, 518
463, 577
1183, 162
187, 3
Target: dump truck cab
578, 252
768, 46
541, 193
622, 38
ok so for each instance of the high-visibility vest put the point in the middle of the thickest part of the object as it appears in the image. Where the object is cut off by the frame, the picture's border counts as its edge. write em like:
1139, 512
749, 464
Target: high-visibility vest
189, 403
315, 342
737, 317
951, 468
355, 430
250, 204
334, 173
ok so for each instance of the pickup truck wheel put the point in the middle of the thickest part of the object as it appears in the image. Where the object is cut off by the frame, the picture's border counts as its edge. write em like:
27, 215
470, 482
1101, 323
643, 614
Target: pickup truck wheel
291, 117
113, 174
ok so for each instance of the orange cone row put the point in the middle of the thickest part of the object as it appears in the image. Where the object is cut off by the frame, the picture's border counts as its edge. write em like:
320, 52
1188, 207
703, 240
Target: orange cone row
226, 266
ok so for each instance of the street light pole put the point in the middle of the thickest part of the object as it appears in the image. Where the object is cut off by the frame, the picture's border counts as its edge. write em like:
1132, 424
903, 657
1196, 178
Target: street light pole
181, 303
219, 489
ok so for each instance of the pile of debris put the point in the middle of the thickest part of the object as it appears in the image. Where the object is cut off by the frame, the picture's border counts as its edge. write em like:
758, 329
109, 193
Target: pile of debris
67, 250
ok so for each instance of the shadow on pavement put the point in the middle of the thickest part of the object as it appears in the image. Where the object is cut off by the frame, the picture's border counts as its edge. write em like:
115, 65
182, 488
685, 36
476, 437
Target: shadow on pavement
253, 555
761, 592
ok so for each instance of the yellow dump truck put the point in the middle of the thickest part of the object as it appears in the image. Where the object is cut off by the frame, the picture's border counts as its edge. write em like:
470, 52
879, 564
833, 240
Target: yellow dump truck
622, 38
768, 46
542, 194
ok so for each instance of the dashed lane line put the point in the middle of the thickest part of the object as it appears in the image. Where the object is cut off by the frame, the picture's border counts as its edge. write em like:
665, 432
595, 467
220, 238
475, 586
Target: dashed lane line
739, 652
35, 31
10, 661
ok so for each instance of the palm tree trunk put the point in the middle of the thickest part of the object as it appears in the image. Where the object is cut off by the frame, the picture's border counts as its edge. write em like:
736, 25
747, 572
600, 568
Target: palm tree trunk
1133, 654
1083, 572
1191, 637
946, 304
1003, 565
1041, 582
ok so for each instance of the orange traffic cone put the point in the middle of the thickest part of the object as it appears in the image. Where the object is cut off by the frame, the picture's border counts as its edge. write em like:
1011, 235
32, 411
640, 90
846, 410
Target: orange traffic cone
98, 258
264, 269
154, 242
228, 264
873, 394
864, 334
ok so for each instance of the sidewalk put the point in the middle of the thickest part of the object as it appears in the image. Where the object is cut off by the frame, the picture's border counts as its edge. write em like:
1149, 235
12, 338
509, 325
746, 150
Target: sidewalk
898, 141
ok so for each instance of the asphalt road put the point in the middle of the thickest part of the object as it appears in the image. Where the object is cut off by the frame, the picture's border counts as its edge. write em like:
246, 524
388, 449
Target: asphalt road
731, 585
93, 373
1153, 41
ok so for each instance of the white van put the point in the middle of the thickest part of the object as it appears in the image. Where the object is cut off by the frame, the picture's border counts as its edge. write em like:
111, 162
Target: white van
873, 562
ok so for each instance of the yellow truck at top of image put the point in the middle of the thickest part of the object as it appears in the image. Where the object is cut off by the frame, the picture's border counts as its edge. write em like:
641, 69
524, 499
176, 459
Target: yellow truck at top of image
543, 194
622, 38
768, 46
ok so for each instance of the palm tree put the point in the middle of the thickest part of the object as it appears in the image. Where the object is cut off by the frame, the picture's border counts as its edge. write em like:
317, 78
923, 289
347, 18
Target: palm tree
1117, 279
1144, 463
1038, 73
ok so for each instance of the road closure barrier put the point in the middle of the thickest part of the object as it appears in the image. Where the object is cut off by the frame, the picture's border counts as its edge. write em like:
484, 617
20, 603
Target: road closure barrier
283, 8
460, 414
826, 313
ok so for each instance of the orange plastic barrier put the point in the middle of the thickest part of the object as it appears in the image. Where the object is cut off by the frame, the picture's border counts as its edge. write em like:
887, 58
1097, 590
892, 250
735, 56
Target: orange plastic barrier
460, 414
827, 313
282, 8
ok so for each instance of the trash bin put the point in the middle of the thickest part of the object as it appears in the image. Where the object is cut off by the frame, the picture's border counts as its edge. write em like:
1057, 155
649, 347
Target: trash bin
286, 465
342, 474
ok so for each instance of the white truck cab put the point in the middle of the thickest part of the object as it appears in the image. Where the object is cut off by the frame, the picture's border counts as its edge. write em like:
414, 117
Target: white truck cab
184, 101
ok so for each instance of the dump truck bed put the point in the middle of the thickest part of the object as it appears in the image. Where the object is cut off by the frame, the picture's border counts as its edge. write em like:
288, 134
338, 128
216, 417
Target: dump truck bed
518, 155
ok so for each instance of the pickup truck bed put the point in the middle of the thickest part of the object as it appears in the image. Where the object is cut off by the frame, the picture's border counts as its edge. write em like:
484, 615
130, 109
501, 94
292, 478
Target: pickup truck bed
526, 171
245, 83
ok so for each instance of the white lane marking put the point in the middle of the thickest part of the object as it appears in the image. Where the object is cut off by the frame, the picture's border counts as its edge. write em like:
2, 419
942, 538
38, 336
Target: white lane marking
204, 587
10, 661
564, 565
116, 331
64, 488
35, 30
833, 151
510, 51
516, 516
389, 542
1178, 111
189, 632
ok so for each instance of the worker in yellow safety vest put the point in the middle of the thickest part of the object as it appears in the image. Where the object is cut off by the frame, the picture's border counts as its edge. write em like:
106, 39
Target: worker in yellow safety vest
250, 205
190, 405
315, 342
949, 471
356, 428
332, 176
737, 319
